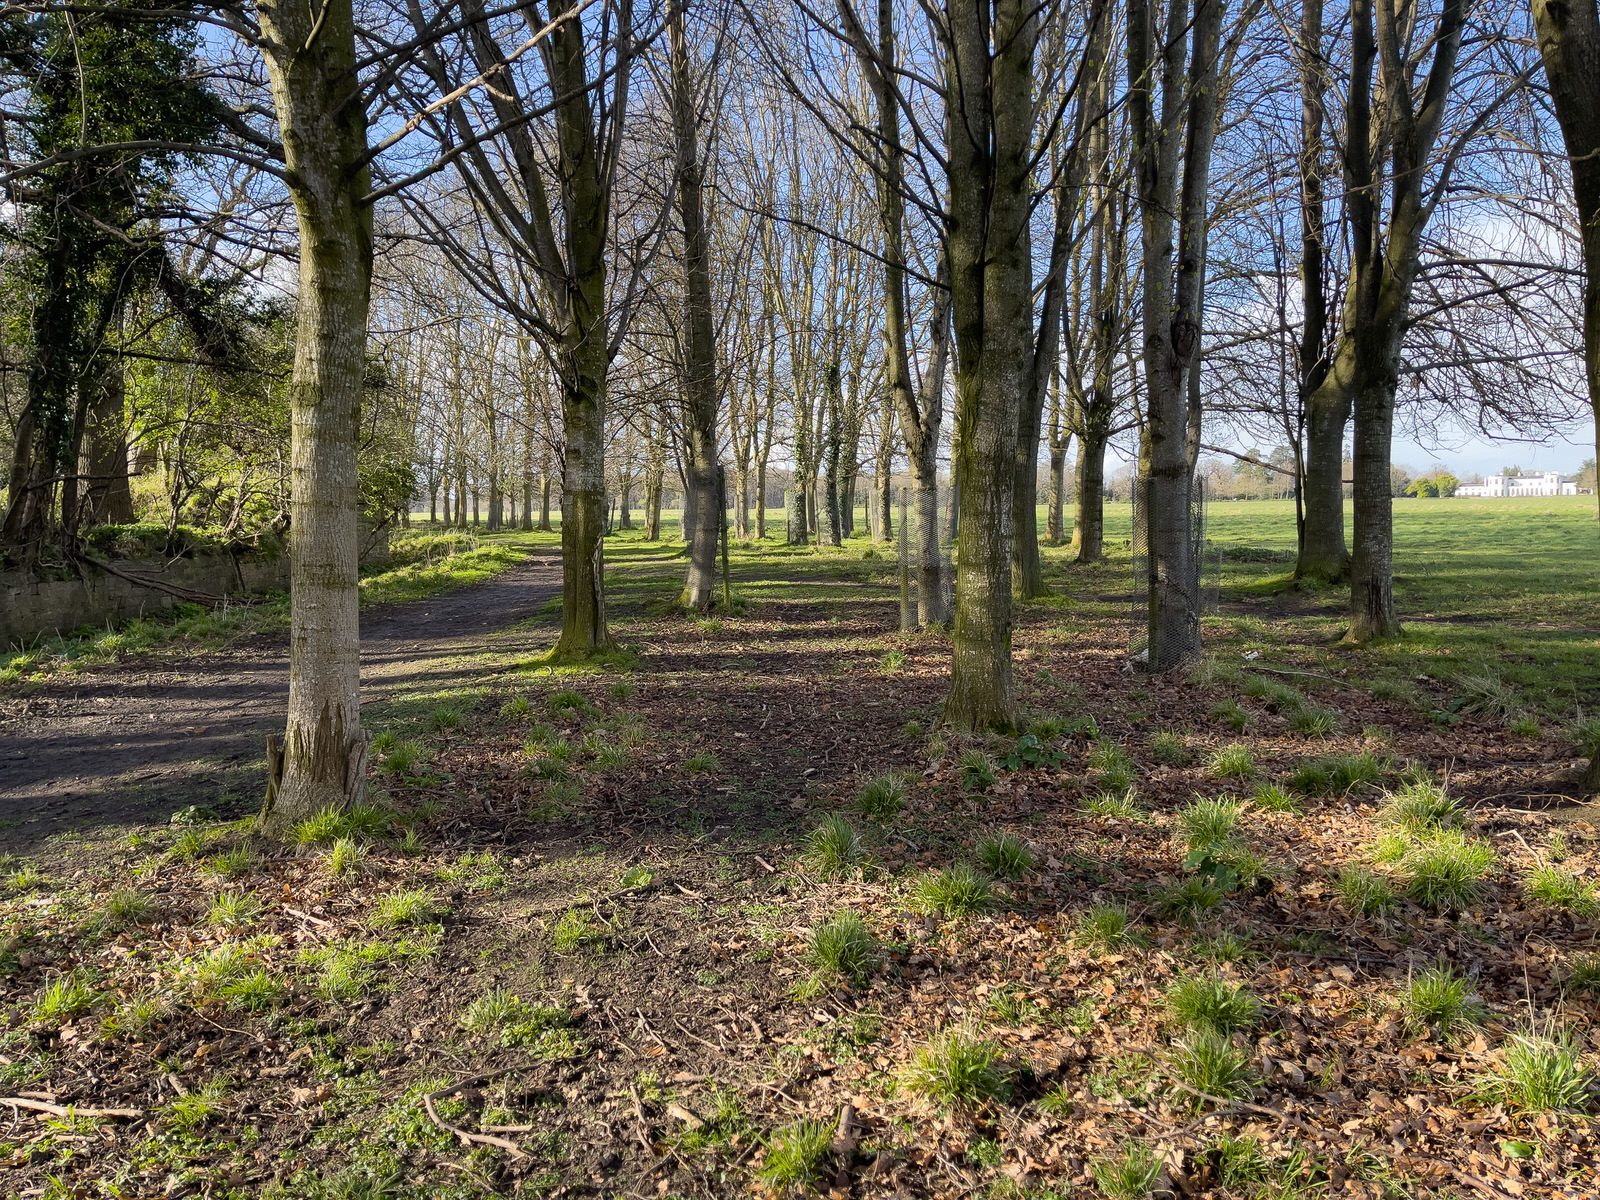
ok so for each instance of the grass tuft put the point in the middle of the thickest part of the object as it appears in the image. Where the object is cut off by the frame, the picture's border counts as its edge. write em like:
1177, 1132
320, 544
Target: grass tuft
1542, 1073
1421, 806
796, 1154
1365, 892
883, 796
1337, 774
1562, 889
844, 948
1209, 821
834, 848
1209, 1062
1233, 762
1131, 1175
1446, 870
977, 771
414, 907
957, 1070
1439, 1002
954, 893
1112, 804
1207, 1002
1105, 927
1005, 856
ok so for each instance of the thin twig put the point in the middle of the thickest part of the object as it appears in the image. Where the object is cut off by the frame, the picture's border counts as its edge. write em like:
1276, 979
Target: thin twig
71, 1110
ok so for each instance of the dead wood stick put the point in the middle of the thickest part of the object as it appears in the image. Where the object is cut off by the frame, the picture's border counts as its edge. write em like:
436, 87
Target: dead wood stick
466, 1136
1274, 1113
71, 1110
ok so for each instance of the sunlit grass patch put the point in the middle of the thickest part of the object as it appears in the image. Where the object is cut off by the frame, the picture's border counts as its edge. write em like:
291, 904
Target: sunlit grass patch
953, 893
956, 1069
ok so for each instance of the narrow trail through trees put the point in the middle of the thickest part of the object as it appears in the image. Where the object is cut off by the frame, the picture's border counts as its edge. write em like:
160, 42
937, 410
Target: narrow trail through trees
139, 740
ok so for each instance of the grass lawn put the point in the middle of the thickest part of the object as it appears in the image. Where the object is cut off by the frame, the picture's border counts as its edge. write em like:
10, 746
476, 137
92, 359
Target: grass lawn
730, 914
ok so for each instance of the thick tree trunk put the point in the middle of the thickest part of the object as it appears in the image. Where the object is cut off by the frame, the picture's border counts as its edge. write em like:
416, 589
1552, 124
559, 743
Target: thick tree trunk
544, 502
1056, 518
107, 498
1372, 609
583, 496
1027, 568
1089, 530
797, 515
310, 57
700, 347
988, 78
1569, 43
1323, 556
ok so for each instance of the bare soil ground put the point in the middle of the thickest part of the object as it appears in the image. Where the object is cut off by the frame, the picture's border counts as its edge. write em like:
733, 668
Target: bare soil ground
133, 743
604, 983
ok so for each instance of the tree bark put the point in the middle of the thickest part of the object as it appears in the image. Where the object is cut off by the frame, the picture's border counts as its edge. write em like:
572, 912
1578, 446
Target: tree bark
700, 347
311, 64
1569, 44
108, 498
989, 93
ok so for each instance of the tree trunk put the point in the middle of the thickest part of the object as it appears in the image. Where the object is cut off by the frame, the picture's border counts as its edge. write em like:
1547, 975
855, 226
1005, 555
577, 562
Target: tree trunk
700, 347
1323, 556
311, 64
544, 502
1089, 531
797, 514
1569, 43
761, 498
108, 499
1056, 518
988, 78
1372, 610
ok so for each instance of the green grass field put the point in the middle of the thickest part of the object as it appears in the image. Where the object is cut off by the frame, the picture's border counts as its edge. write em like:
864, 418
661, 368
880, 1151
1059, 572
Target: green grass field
1503, 594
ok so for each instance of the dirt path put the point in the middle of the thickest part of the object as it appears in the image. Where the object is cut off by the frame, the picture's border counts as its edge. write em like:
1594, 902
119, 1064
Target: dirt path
135, 742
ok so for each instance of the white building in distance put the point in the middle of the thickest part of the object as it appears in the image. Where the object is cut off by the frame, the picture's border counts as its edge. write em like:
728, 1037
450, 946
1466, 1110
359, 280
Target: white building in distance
1548, 484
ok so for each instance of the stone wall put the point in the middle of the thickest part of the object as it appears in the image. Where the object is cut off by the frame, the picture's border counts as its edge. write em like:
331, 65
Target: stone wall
30, 606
